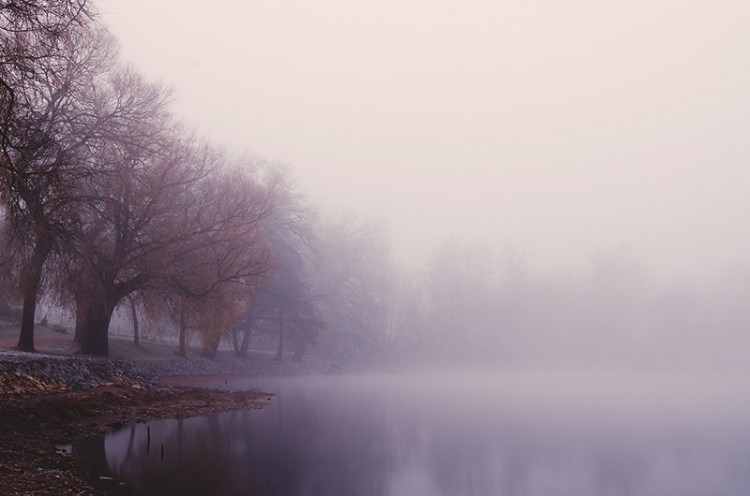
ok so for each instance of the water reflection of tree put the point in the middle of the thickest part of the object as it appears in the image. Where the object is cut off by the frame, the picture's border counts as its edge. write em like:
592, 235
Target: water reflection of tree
251, 453
358, 443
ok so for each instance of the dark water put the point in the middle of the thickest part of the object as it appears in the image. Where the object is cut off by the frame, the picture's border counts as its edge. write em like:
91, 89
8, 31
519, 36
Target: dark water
452, 435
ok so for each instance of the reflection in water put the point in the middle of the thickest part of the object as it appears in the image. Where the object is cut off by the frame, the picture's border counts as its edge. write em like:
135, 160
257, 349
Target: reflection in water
454, 435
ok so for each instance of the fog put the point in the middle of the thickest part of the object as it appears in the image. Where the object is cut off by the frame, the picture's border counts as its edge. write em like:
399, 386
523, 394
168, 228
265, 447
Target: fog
501, 243
559, 130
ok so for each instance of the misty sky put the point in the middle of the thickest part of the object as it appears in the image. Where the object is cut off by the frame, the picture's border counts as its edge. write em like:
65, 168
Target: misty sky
560, 128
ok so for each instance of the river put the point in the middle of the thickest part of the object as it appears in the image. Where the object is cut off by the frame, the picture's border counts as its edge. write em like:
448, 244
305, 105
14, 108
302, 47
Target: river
454, 434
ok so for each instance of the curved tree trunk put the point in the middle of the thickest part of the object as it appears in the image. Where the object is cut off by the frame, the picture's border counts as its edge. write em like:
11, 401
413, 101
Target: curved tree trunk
32, 278
26, 339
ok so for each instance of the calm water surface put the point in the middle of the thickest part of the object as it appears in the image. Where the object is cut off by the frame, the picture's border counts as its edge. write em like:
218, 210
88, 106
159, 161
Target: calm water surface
455, 434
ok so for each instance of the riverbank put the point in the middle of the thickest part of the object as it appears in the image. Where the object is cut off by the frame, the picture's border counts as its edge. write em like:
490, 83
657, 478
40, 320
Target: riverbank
32, 425
48, 400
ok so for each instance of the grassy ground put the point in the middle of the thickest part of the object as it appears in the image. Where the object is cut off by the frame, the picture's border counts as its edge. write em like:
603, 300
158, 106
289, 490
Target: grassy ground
163, 353
47, 340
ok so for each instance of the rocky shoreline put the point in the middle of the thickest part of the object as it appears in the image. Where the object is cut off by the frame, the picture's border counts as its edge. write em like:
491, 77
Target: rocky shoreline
47, 374
48, 399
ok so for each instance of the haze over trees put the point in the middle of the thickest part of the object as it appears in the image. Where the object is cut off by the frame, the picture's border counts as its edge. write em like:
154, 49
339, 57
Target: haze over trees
105, 194
108, 201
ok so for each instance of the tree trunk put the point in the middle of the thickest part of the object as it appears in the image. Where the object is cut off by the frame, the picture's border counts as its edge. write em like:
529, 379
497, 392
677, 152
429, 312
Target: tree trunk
280, 350
235, 343
30, 289
245, 343
96, 335
136, 337
299, 352
211, 346
81, 313
26, 339
82, 310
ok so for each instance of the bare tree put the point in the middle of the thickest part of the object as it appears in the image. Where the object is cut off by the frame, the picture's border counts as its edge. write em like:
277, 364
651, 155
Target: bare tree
208, 278
45, 152
175, 224
352, 279
129, 222
286, 302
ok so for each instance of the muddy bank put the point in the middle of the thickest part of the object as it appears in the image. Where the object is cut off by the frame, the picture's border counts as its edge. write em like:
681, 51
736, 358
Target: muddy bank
45, 401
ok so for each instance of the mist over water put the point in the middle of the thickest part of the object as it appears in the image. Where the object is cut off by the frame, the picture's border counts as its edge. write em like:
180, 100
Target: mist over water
468, 433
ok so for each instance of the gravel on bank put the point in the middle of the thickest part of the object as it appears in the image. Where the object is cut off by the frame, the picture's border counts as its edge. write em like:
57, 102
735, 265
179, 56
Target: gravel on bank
31, 373
58, 374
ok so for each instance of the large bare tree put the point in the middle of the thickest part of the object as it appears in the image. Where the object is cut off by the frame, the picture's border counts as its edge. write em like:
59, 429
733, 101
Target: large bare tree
52, 120
170, 221
128, 222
